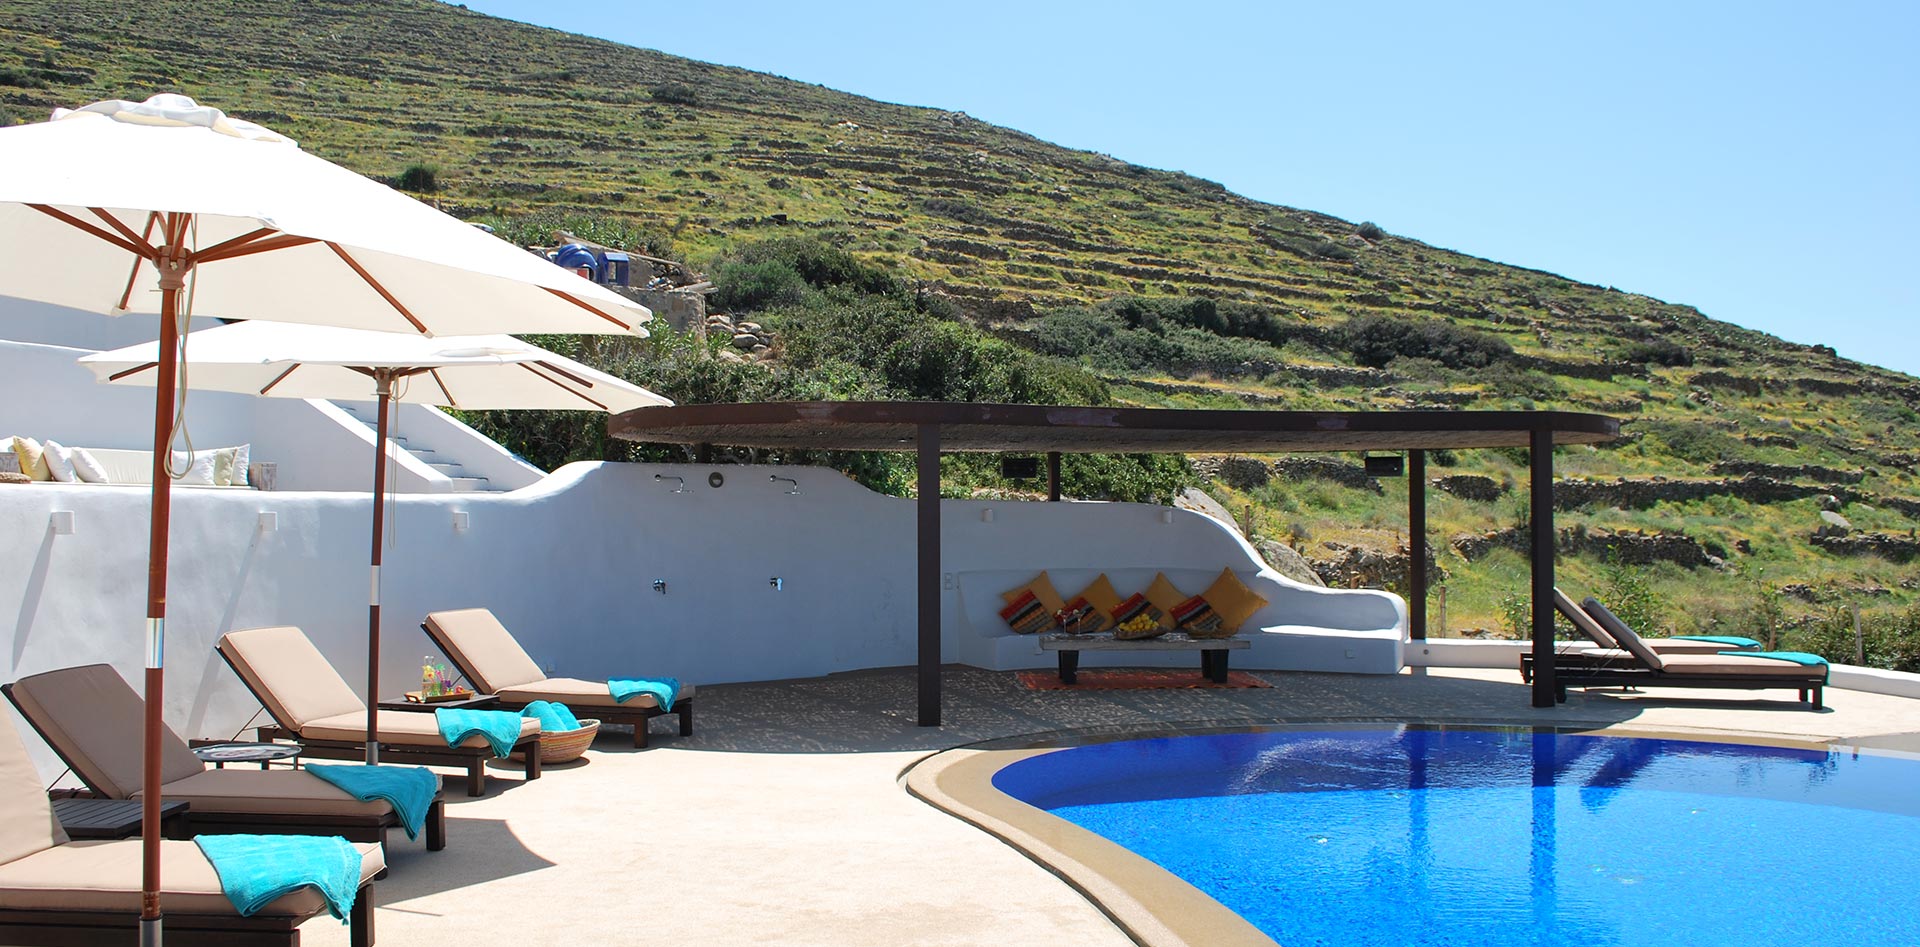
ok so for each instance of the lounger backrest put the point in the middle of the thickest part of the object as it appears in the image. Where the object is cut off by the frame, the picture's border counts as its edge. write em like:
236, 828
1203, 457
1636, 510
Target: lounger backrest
27, 824
1582, 620
1626, 636
289, 675
484, 648
93, 719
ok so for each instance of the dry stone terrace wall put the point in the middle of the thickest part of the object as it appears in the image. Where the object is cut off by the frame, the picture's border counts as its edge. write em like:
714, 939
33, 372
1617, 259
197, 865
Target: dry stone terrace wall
1632, 548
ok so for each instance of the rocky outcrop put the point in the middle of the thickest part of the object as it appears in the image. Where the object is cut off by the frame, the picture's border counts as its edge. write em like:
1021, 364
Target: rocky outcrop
1197, 500
1353, 567
1288, 561
1470, 487
1632, 548
750, 338
1343, 472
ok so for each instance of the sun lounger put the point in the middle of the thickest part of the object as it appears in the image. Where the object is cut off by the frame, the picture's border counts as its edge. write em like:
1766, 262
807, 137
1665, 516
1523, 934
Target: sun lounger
1604, 640
1742, 670
310, 703
58, 892
487, 653
92, 719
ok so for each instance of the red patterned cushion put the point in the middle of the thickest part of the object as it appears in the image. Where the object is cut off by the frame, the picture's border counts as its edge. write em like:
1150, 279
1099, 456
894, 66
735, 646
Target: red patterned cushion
1197, 618
1081, 618
1134, 607
1025, 615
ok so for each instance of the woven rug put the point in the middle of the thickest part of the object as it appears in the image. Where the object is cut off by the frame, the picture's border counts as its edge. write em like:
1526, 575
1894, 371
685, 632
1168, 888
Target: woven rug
1122, 679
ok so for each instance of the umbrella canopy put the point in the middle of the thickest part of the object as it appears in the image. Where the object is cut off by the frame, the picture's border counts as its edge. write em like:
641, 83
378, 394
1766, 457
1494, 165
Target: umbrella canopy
271, 224
293, 361
169, 207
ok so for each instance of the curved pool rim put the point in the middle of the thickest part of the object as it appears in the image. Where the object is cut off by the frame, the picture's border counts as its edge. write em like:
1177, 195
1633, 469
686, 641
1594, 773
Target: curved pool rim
1151, 905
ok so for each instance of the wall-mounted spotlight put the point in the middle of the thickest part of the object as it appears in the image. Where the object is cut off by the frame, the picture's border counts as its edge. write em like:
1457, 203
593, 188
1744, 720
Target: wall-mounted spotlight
61, 522
986, 515
269, 521
679, 483
793, 486
1386, 465
460, 521
1166, 515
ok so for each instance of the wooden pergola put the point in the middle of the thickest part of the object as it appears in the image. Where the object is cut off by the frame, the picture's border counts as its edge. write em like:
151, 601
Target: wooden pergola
930, 428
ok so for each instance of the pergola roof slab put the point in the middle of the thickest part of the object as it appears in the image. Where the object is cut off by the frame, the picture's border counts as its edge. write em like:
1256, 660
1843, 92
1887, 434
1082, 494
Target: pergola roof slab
891, 425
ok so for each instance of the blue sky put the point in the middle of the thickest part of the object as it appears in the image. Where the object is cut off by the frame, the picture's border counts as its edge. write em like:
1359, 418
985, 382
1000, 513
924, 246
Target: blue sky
1757, 160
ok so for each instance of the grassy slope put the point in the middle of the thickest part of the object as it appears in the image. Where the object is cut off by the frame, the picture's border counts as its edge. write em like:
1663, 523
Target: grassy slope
519, 118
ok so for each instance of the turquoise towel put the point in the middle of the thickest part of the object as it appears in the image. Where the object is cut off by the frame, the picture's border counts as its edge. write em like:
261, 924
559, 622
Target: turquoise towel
663, 689
554, 716
257, 870
500, 727
1797, 657
1731, 641
408, 789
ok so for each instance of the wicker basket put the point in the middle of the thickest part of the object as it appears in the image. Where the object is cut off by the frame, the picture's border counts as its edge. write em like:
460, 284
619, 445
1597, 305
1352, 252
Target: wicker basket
562, 746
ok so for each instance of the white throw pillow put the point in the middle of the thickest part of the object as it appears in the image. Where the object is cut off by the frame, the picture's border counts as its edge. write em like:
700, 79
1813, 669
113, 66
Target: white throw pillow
198, 467
88, 467
59, 460
242, 456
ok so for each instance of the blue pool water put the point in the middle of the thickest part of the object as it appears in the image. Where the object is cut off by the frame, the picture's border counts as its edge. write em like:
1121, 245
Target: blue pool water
1501, 838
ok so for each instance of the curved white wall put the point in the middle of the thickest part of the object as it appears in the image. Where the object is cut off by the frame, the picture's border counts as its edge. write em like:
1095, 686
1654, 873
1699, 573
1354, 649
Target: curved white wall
568, 565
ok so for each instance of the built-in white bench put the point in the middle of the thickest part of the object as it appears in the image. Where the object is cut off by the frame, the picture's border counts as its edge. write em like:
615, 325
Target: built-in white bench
1302, 628
135, 468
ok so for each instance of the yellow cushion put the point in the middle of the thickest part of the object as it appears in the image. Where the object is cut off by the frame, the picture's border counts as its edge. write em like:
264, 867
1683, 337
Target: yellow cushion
1095, 605
33, 461
1165, 598
1042, 589
1232, 600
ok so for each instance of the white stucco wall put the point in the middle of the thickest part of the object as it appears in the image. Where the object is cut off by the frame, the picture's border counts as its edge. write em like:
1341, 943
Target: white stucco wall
568, 565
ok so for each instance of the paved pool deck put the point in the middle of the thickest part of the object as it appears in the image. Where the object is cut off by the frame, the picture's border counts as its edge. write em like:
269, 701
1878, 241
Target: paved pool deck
782, 820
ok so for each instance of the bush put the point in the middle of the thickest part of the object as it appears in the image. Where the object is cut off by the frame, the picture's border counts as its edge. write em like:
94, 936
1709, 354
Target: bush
1375, 341
1625, 592
1371, 231
674, 93
540, 228
822, 265
420, 179
748, 287
1657, 352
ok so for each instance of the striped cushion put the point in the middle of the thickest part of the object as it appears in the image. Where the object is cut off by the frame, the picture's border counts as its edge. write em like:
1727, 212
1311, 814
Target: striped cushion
1026, 615
1197, 618
1082, 618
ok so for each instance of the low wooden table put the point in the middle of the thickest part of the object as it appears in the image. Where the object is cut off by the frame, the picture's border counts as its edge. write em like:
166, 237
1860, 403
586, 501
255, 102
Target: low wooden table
222, 752
1213, 651
116, 818
475, 702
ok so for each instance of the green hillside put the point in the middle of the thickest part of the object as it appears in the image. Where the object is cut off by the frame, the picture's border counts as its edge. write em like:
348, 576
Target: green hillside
1108, 281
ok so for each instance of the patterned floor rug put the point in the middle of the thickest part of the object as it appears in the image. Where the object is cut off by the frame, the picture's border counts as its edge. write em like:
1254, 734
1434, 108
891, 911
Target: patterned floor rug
1126, 679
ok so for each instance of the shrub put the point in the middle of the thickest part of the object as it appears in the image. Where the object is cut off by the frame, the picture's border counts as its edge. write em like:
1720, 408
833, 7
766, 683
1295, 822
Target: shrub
822, 265
1328, 250
1657, 352
420, 178
1370, 231
1375, 341
747, 287
674, 93
1625, 592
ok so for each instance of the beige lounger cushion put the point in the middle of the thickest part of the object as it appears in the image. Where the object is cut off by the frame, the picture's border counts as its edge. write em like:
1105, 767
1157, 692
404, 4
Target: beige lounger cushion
1683, 664
93, 719
105, 876
27, 824
1581, 620
292, 678
578, 693
267, 792
477, 641
397, 727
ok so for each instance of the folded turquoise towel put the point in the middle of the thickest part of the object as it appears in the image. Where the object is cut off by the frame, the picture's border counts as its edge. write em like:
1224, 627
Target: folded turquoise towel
554, 717
408, 789
500, 727
663, 689
257, 870
1731, 641
1797, 657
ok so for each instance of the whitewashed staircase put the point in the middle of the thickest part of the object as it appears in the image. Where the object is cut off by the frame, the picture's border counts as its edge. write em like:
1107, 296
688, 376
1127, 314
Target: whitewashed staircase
456, 475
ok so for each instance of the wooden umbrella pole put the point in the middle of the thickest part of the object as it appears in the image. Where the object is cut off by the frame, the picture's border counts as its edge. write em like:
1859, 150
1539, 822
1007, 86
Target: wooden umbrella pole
383, 378
173, 265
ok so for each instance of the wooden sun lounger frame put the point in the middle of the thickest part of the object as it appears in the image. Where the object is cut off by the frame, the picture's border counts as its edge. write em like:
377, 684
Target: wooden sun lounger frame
472, 758
636, 717
47, 928
198, 822
1578, 670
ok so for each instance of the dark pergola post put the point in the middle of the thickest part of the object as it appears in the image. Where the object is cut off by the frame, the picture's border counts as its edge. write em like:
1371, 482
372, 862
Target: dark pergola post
927, 539
1540, 494
1053, 476
1417, 544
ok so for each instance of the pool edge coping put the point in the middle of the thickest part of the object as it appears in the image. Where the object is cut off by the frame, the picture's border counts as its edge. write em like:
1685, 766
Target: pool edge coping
1151, 905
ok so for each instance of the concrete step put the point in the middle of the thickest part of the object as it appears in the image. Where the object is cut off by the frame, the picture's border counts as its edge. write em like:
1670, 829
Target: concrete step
471, 485
451, 470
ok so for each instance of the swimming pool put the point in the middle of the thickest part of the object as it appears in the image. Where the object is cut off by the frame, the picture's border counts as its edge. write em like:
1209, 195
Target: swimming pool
1507, 837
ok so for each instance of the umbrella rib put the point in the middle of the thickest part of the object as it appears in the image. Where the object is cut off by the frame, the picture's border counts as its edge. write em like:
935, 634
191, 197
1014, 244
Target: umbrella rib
219, 250
560, 385
563, 373
382, 290
121, 228
145, 252
277, 379
116, 376
443, 387
588, 308
133, 272
226, 252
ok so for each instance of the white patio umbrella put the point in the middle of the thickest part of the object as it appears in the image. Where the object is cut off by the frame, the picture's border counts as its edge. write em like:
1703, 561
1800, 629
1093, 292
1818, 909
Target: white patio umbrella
171, 208
295, 361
